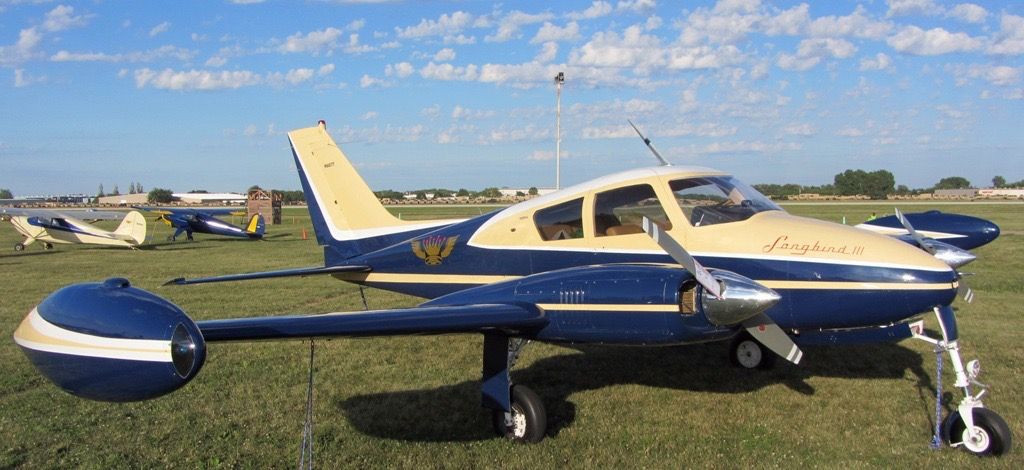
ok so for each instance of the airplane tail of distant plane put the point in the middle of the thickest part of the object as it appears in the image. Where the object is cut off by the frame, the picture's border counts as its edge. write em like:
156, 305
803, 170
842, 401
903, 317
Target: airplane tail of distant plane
256, 226
132, 228
347, 217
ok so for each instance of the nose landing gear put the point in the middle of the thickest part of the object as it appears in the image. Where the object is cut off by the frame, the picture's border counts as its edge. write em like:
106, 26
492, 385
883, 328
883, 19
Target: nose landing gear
973, 427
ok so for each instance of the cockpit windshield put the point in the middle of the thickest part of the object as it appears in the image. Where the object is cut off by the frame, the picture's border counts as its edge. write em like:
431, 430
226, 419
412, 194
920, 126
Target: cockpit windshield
714, 200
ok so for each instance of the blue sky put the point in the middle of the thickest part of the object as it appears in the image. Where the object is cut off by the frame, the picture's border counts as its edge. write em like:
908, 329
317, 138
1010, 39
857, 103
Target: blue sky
199, 95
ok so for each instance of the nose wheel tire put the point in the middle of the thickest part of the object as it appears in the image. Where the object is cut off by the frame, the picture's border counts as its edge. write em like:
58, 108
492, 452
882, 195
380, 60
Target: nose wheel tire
19, 247
527, 422
990, 435
745, 352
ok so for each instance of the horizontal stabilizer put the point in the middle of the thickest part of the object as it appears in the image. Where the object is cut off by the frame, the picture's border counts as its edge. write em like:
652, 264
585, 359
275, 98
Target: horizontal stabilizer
270, 274
410, 321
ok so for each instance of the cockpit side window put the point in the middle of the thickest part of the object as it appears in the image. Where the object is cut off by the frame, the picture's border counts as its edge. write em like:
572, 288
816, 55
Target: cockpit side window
621, 211
718, 199
560, 222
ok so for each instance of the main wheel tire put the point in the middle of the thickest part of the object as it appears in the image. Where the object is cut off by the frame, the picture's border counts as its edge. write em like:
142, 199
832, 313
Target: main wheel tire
528, 420
991, 436
745, 352
47, 246
19, 247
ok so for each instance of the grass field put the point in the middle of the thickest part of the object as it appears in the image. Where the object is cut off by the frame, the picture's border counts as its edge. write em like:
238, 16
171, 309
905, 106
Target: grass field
414, 401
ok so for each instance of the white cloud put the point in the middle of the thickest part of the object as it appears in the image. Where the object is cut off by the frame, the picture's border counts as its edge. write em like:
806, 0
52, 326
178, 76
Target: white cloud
459, 40
369, 115
741, 146
190, 80
400, 70
811, 51
543, 155
445, 55
547, 53
512, 134
510, 24
1010, 38
999, 75
22, 50
314, 41
857, 24
640, 7
164, 52
596, 10
968, 13
803, 129
366, 81
850, 132
354, 47
789, 22
160, 28
633, 49
912, 7
63, 17
23, 79
936, 41
879, 62
325, 70
460, 113
445, 25
297, 76
549, 32
448, 72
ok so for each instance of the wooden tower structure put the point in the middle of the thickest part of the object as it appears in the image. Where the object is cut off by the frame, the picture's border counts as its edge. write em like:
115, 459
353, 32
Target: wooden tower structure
263, 202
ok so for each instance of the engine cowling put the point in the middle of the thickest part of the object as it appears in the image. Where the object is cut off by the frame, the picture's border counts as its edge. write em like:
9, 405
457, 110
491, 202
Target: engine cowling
110, 341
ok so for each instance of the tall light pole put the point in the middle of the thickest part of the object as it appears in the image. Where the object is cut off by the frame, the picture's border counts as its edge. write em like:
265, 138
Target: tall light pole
559, 80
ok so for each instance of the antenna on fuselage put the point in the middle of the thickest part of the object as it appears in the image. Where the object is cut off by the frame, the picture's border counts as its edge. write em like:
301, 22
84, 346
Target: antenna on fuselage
648, 143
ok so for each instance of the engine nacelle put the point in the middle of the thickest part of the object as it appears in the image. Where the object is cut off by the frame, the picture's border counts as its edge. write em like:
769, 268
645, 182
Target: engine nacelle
112, 342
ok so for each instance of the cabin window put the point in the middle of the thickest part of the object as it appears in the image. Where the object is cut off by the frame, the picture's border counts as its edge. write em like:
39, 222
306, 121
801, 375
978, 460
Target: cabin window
718, 199
560, 222
621, 211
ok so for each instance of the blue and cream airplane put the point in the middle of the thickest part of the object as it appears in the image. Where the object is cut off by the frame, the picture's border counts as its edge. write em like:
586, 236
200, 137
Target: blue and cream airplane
191, 220
601, 262
55, 226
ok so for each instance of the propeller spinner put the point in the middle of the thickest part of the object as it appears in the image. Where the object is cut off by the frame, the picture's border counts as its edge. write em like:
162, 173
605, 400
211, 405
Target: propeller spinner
735, 299
953, 256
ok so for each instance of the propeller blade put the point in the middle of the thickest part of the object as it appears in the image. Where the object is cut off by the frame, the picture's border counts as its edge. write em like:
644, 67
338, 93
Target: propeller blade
913, 233
760, 326
678, 253
962, 289
951, 255
766, 332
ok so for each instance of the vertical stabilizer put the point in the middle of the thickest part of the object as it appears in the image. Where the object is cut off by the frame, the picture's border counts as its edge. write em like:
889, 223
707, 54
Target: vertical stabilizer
256, 226
346, 215
133, 227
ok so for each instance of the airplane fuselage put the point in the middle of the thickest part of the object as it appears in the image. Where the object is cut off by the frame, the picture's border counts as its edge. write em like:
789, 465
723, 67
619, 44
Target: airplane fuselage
829, 276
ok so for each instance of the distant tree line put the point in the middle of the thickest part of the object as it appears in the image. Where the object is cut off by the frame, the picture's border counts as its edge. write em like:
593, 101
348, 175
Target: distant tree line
6, 194
875, 184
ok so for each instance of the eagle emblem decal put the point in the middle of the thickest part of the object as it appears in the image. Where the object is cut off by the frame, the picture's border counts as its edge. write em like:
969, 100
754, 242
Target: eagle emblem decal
433, 250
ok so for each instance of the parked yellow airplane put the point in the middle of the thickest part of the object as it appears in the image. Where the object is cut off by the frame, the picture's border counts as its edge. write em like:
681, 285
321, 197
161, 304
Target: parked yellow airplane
53, 226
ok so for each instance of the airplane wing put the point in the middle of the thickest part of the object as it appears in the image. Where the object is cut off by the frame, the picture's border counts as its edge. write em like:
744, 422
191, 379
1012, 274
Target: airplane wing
270, 274
211, 211
509, 318
81, 214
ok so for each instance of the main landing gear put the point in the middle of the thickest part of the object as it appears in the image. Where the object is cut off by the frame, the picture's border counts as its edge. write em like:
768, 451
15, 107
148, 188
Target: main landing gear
972, 426
517, 413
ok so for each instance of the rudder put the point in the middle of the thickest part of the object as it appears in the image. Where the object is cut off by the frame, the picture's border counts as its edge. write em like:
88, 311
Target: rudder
133, 226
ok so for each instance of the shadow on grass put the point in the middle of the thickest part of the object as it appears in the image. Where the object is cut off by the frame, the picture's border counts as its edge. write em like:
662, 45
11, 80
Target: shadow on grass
452, 413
